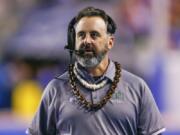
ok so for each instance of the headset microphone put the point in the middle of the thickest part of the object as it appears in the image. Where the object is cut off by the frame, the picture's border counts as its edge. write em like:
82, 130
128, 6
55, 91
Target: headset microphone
77, 52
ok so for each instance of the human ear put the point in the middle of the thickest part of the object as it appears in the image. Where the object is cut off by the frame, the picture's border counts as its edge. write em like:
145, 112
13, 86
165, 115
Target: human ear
110, 42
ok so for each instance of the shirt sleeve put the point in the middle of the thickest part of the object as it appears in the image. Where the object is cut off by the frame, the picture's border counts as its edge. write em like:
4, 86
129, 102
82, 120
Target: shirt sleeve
150, 120
43, 122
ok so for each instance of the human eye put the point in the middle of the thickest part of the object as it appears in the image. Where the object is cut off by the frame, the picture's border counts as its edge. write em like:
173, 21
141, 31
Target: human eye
81, 35
95, 34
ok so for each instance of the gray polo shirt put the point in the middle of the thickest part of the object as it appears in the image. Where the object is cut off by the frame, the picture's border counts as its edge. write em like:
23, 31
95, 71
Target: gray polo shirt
131, 110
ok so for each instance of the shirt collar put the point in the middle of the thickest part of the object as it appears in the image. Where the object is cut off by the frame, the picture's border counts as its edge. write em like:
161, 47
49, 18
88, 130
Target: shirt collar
110, 72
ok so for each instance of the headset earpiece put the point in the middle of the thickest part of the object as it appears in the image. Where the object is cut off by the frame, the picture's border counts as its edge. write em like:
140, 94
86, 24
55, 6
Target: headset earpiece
71, 35
111, 27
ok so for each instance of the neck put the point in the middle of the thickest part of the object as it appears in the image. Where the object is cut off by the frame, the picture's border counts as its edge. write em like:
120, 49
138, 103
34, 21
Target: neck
99, 69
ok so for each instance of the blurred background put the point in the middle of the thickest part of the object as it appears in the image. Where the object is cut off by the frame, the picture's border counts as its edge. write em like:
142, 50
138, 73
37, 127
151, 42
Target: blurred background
33, 36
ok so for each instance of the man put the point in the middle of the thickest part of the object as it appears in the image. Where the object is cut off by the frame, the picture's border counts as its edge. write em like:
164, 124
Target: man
95, 96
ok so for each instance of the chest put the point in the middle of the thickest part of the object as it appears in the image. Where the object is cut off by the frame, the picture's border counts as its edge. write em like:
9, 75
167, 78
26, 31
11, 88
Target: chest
121, 108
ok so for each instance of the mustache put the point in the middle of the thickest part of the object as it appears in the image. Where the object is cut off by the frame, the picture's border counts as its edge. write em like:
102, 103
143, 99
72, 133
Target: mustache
86, 48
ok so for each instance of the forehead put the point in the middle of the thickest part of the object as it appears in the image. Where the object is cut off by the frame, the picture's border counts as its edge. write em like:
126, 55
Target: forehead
91, 23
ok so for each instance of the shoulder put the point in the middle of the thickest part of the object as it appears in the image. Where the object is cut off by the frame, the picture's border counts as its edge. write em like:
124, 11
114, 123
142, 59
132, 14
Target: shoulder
58, 80
62, 77
133, 83
130, 78
56, 85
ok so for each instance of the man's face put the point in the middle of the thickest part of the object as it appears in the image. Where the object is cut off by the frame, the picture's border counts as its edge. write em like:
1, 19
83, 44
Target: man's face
92, 40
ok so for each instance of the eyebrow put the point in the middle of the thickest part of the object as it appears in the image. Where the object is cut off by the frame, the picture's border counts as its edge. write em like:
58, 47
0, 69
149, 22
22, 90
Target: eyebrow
89, 32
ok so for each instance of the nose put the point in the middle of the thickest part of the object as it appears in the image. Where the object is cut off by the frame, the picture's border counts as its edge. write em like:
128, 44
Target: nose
88, 39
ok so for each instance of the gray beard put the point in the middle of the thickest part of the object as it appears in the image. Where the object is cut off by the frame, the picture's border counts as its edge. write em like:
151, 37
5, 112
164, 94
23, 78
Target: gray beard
90, 62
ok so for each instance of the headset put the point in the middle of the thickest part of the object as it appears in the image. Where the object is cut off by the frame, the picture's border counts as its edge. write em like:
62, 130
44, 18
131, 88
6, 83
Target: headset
71, 33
